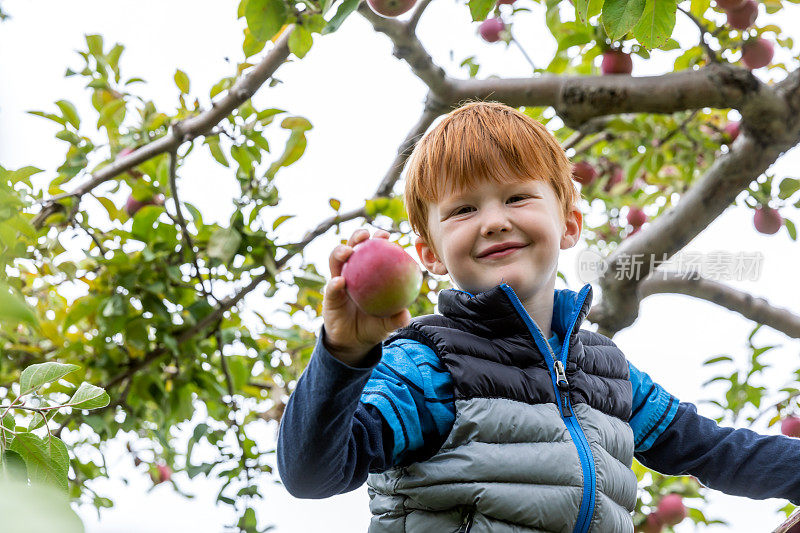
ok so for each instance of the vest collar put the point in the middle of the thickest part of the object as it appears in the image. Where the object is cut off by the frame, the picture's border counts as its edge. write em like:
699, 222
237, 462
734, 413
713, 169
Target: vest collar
496, 304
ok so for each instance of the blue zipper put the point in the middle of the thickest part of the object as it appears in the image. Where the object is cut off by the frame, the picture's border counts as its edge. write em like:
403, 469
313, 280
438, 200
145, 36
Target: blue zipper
558, 376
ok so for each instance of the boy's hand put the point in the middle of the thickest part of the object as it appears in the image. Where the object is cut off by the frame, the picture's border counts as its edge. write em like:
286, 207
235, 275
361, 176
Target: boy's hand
349, 332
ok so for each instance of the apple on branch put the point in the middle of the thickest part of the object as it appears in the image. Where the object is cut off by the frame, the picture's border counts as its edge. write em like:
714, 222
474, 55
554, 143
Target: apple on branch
731, 130
743, 16
757, 53
390, 8
132, 205
790, 426
490, 29
616, 62
767, 220
671, 510
381, 278
584, 173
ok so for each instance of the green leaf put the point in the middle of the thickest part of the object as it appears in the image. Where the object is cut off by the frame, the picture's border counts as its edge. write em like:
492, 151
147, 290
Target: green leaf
47, 459
13, 307
12, 467
69, 112
300, 41
586, 9
36, 508
109, 113
223, 244
265, 18
656, 25
717, 360
788, 187
89, 396
479, 9
95, 44
344, 11
216, 151
35, 376
280, 220
620, 16
790, 227
182, 81
49, 116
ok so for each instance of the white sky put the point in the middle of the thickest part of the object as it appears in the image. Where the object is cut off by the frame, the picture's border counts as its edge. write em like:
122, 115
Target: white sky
362, 101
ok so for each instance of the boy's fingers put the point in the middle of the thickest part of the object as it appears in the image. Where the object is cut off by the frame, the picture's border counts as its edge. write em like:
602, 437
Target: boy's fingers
338, 258
334, 292
358, 236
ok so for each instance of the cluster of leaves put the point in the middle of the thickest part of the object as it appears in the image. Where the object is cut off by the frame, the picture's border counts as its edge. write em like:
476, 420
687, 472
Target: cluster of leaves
29, 452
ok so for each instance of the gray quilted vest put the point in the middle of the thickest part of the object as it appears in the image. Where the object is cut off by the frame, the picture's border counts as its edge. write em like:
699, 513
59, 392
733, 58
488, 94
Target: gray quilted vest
540, 442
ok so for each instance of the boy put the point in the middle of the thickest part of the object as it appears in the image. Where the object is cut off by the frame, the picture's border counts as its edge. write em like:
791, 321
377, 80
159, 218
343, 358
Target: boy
498, 413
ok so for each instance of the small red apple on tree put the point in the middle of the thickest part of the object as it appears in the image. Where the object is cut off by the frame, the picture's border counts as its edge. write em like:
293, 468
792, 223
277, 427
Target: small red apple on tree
727, 5
132, 205
390, 8
616, 62
671, 510
584, 173
381, 278
500, 2
161, 473
790, 426
636, 217
767, 220
616, 177
731, 129
652, 524
490, 29
757, 53
743, 16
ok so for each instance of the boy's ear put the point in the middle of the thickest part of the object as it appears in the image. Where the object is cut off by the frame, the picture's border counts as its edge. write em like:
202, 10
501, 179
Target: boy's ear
572, 231
428, 258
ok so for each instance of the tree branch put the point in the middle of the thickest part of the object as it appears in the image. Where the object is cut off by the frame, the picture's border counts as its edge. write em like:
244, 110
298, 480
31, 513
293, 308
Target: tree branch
753, 308
432, 110
187, 130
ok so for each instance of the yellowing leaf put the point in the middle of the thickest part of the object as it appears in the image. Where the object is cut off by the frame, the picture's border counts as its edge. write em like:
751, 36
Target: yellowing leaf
182, 81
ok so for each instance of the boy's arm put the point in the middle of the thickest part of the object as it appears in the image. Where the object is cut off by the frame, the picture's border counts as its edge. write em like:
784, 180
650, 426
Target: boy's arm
329, 440
672, 438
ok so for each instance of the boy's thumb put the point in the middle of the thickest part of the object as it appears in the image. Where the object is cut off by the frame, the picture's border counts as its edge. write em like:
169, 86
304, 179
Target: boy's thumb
335, 292
401, 319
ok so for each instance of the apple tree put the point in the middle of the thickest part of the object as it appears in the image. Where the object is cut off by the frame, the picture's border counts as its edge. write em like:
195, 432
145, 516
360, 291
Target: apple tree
147, 300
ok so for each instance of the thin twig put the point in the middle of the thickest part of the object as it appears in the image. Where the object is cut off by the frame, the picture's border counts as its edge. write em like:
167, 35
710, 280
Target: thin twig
712, 56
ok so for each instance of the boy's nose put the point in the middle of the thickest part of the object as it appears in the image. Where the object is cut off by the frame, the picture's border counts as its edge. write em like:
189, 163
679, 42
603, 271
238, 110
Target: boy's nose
495, 221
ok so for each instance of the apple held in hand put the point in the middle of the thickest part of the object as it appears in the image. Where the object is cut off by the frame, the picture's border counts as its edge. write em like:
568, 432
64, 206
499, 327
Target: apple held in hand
381, 278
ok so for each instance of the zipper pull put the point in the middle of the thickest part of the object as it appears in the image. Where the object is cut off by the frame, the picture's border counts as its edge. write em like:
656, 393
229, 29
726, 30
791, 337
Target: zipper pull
563, 387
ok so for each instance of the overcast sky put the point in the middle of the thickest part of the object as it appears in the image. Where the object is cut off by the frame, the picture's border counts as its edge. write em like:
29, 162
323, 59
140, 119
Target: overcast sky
362, 102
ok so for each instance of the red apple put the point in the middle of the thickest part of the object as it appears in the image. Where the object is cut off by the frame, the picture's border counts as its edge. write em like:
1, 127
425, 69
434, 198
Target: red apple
790, 426
767, 220
616, 62
671, 510
652, 524
757, 53
490, 29
583, 172
636, 217
390, 8
499, 2
731, 129
744, 16
133, 205
381, 278
161, 473
616, 177
729, 4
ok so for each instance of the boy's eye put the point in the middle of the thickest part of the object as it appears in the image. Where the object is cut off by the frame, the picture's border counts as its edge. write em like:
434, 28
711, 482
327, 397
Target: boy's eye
516, 197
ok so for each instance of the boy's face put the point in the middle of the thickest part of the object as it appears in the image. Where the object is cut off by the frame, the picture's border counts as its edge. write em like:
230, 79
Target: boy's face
465, 224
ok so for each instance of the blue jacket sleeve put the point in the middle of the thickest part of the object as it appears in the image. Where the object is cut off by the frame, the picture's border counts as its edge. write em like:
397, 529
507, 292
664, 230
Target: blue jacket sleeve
328, 441
735, 461
652, 409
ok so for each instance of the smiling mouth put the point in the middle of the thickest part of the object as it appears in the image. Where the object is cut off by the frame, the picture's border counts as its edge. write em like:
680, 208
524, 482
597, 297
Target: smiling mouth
502, 253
